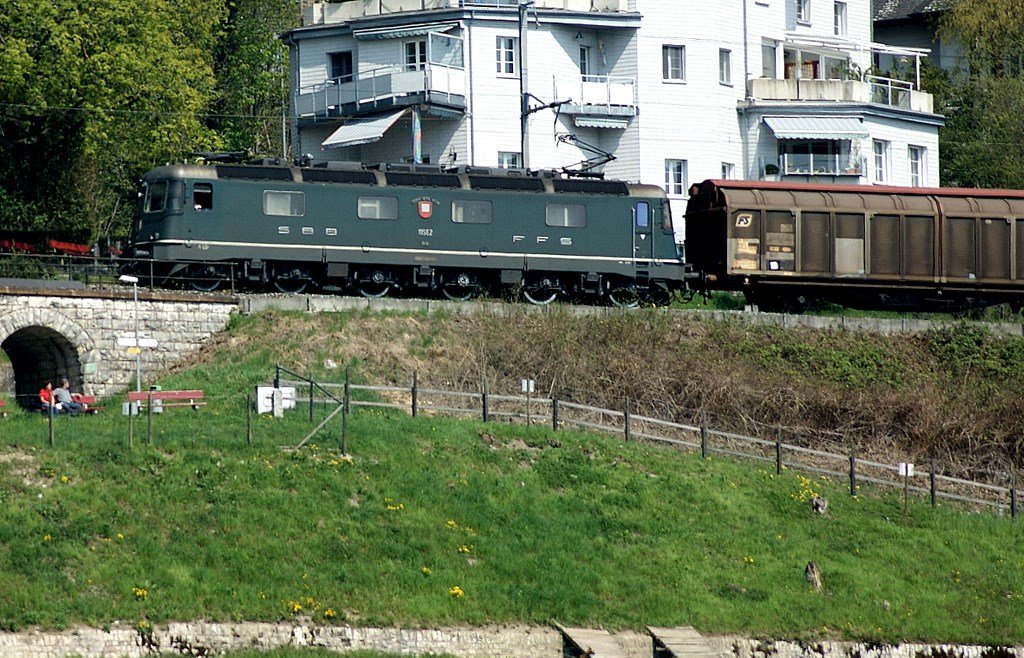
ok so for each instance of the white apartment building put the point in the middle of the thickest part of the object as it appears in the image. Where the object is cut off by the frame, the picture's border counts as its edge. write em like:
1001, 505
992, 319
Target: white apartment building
677, 91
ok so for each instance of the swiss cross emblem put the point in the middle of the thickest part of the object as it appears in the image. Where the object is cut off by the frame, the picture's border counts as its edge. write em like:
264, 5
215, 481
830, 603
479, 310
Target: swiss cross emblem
425, 207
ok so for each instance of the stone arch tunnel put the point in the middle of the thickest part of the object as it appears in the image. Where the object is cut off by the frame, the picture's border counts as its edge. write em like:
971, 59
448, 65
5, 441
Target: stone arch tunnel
39, 355
50, 334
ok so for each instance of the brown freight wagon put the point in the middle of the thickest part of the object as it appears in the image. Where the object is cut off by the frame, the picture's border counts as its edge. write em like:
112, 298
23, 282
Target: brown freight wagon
787, 246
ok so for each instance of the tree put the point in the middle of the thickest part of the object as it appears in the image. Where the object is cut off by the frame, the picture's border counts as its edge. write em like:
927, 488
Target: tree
983, 139
92, 95
252, 75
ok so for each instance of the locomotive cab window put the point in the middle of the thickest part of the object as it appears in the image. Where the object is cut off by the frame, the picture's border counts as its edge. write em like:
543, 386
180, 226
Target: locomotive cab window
377, 207
471, 212
566, 215
284, 204
643, 215
156, 196
202, 196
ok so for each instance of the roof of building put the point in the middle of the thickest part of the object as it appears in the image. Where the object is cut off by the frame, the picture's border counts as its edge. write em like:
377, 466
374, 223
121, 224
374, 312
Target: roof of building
894, 10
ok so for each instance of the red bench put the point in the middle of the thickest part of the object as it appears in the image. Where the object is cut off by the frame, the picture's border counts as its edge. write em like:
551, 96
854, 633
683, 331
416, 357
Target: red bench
88, 400
192, 399
3, 412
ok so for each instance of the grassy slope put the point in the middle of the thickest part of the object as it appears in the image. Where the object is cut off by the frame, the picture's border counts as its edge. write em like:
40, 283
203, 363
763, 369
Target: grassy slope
530, 525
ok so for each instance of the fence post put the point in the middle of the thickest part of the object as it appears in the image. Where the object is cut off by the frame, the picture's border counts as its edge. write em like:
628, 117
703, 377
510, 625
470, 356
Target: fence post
931, 481
311, 399
49, 408
414, 393
703, 434
625, 421
131, 425
554, 415
778, 451
248, 419
277, 375
853, 471
485, 401
1013, 495
149, 416
344, 416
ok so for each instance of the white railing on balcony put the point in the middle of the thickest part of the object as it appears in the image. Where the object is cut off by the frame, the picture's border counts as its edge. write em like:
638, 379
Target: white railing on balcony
888, 91
315, 12
375, 85
597, 90
821, 164
874, 89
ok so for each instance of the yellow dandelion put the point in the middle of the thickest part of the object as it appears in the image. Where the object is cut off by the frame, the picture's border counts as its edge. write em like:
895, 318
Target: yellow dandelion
47, 537
456, 592
426, 571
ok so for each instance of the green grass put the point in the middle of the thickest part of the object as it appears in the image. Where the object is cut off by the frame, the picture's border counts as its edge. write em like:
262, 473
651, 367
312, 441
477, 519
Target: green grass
532, 526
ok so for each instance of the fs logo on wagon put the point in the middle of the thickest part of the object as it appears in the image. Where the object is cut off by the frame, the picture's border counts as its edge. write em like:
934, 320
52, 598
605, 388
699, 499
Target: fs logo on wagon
425, 206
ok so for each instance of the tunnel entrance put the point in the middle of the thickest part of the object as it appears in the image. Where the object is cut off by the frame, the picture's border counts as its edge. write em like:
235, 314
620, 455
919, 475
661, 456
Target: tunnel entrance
38, 355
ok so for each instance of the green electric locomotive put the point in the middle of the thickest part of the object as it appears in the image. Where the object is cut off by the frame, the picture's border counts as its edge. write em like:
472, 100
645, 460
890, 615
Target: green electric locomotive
406, 229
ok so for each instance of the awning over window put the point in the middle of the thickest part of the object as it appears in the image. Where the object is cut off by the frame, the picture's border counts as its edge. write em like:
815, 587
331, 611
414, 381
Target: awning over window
401, 32
816, 127
601, 122
362, 131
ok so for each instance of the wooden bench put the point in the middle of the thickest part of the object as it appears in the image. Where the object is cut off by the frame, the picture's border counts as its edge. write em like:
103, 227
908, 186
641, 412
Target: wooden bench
88, 400
192, 399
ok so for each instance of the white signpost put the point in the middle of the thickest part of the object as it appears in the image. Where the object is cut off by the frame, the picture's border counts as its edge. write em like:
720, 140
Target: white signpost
907, 472
527, 386
129, 341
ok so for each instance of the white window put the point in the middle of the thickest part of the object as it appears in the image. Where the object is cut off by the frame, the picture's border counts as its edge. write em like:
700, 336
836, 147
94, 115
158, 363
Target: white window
675, 177
284, 204
880, 149
584, 61
810, 157
673, 62
415, 55
506, 55
803, 11
728, 171
840, 19
510, 159
916, 155
725, 66
769, 68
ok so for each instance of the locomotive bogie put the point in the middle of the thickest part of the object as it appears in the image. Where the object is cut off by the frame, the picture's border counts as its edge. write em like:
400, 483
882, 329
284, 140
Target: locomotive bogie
381, 233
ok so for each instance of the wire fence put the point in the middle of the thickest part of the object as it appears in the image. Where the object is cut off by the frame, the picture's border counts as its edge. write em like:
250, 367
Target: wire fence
697, 436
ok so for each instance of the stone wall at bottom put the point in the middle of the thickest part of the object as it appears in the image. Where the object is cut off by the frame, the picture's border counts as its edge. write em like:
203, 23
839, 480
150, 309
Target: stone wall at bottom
205, 638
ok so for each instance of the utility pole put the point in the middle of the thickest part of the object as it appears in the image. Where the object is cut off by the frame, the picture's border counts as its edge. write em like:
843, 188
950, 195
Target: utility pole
524, 97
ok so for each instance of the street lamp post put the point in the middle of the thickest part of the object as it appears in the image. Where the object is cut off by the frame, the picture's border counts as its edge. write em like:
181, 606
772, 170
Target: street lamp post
134, 280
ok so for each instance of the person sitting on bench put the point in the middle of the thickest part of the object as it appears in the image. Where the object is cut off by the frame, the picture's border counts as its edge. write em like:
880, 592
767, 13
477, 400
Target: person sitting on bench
46, 399
63, 396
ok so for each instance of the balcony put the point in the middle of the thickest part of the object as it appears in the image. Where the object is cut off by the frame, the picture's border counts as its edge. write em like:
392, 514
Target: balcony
315, 12
873, 89
597, 95
821, 164
439, 86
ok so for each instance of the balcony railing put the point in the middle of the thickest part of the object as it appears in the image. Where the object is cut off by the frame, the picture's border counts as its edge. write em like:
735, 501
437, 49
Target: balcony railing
371, 88
315, 12
598, 94
824, 164
888, 91
874, 89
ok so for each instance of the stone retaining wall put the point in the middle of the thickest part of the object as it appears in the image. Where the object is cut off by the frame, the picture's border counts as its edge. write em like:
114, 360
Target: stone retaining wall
206, 639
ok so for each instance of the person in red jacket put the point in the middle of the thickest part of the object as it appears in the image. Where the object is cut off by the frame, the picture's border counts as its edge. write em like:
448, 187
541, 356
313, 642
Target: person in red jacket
46, 398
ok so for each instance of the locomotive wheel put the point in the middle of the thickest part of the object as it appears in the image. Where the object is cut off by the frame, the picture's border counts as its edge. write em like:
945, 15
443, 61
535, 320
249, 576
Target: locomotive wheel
460, 288
292, 281
206, 278
624, 294
540, 289
377, 285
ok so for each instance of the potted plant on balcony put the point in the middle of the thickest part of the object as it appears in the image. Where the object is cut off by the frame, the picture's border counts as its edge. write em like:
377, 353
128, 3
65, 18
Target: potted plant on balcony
771, 171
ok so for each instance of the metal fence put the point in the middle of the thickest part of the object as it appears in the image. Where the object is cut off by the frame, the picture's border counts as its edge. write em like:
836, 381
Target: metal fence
696, 436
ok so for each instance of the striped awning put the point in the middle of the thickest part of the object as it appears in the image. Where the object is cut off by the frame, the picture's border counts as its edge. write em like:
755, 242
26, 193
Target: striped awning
362, 131
618, 123
418, 30
816, 127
